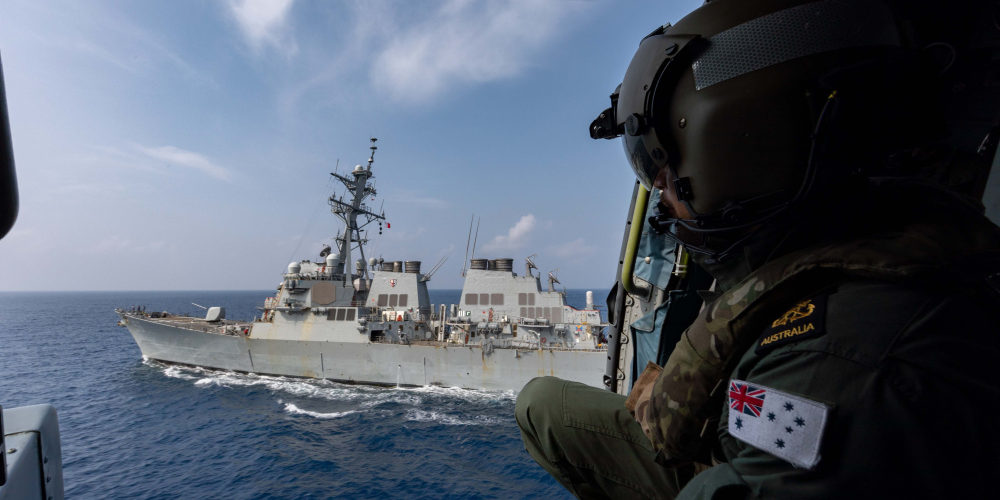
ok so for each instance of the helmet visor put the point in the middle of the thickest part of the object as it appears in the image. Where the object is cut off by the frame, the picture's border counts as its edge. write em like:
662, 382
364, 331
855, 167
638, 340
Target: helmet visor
637, 152
658, 62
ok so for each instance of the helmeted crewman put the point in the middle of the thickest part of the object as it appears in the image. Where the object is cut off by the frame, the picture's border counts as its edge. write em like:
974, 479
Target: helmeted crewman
810, 156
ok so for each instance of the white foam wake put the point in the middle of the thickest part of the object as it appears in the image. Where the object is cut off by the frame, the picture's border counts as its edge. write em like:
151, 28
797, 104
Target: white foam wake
466, 394
295, 410
445, 419
364, 396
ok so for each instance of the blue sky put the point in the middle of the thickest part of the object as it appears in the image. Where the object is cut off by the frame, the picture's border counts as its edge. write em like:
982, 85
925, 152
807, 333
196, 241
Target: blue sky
188, 144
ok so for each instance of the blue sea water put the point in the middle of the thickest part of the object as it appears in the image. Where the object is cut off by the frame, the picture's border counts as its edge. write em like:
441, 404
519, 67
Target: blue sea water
141, 429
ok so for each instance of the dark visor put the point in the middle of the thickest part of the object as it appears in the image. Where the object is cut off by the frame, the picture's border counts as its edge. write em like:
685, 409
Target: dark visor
631, 113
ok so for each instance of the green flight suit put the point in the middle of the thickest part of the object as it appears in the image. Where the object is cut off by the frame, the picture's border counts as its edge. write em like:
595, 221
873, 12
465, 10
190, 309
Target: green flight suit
902, 351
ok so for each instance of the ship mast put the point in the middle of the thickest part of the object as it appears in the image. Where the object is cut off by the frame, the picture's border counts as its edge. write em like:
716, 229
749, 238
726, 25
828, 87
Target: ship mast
358, 189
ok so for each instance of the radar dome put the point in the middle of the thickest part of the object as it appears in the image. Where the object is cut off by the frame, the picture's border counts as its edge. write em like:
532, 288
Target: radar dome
372, 261
358, 168
333, 259
294, 268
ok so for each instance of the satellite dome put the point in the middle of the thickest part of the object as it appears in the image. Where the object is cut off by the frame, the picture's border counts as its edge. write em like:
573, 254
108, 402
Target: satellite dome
294, 268
333, 259
358, 168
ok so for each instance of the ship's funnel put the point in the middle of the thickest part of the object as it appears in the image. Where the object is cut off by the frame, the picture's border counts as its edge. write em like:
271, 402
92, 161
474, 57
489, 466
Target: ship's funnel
412, 266
477, 264
397, 266
505, 265
387, 266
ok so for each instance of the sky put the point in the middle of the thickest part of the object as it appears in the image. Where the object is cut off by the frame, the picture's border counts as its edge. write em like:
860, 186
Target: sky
188, 145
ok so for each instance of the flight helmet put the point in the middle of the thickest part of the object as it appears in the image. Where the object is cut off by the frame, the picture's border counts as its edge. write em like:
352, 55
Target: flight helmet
745, 102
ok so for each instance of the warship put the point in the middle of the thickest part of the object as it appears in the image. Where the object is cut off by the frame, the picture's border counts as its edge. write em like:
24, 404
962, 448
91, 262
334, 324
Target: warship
372, 322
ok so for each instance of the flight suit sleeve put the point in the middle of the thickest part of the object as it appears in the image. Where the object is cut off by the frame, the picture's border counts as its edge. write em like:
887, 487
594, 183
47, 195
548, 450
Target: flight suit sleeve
750, 471
907, 402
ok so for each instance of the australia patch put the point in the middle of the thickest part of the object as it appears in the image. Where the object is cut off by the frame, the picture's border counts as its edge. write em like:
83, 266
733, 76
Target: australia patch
787, 426
805, 320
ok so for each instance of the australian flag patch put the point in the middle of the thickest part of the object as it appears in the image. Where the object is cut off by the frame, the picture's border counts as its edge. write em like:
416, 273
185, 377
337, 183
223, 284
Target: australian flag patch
786, 426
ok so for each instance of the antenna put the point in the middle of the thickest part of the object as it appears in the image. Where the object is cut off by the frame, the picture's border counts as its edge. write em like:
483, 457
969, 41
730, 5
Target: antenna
530, 264
373, 147
476, 238
427, 277
467, 240
553, 280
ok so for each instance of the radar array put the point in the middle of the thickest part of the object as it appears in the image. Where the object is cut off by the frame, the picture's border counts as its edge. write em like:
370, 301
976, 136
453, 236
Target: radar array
358, 190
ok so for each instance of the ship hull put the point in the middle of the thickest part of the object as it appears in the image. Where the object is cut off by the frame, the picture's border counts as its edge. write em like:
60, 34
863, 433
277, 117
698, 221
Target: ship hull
451, 365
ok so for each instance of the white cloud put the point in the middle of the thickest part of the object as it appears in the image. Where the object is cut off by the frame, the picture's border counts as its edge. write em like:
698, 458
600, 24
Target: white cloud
415, 52
466, 42
177, 156
114, 39
264, 23
515, 237
572, 251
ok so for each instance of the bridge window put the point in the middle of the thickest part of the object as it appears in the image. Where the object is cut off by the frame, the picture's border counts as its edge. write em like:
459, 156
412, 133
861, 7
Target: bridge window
484, 299
341, 314
350, 315
522, 300
383, 300
471, 299
393, 300
403, 299
496, 299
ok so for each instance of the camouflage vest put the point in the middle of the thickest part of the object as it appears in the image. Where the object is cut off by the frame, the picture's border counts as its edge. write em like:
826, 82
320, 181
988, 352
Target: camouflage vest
687, 397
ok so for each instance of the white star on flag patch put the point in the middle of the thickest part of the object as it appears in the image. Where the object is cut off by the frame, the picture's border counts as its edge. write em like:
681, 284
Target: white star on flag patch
786, 426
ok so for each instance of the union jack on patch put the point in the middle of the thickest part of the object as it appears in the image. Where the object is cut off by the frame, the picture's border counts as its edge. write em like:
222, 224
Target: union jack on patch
745, 398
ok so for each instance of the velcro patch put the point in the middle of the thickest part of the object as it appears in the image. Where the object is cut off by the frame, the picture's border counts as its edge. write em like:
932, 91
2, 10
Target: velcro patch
805, 320
786, 426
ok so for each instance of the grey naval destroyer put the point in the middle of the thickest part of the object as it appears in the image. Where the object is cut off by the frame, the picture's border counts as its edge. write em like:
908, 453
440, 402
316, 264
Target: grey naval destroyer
372, 321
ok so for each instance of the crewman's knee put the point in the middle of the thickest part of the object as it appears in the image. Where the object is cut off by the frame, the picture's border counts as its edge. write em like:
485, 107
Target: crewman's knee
538, 402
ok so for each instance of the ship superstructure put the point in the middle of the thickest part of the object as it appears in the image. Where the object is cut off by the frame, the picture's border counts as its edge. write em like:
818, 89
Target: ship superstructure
497, 303
371, 321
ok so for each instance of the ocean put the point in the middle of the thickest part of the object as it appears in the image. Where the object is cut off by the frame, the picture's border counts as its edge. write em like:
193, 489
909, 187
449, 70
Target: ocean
134, 428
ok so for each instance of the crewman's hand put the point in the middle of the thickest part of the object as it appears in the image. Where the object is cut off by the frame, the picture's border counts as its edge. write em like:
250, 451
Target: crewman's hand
638, 400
